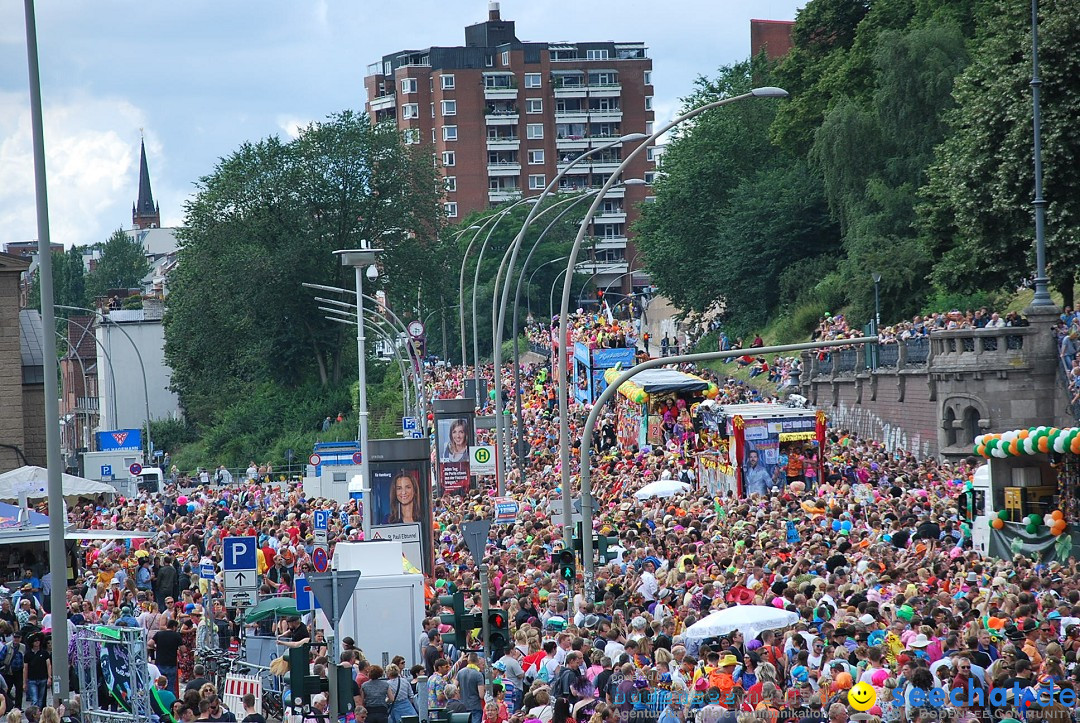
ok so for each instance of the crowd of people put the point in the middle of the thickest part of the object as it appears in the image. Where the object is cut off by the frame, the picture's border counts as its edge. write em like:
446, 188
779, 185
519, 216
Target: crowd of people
873, 556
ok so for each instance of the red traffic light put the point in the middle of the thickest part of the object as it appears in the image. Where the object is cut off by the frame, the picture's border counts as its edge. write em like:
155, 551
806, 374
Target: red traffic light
497, 620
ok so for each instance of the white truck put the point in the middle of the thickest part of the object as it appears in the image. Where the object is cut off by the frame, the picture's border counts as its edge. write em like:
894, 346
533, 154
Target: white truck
113, 467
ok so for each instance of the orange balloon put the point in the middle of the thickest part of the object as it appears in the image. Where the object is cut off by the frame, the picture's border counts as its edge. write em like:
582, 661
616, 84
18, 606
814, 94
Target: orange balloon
1023, 434
1058, 527
1044, 445
1075, 446
998, 523
981, 450
1058, 515
1014, 447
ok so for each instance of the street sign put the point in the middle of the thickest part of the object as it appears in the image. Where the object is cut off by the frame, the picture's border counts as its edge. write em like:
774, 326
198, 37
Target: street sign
314, 460
416, 434
241, 577
321, 523
482, 459
305, 600
476, 538
135, 469
322, 585
416, 328
206, 570
409, 424
506, 510
357, 458
320, 560
106, 472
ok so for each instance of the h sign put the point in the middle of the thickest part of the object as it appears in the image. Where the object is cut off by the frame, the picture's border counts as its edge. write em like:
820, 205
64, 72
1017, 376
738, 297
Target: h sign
239, 553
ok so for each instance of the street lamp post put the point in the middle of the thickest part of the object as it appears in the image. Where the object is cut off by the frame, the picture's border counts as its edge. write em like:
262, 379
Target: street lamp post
359, 259
564, 309
57, 523
105, 323
1042, 292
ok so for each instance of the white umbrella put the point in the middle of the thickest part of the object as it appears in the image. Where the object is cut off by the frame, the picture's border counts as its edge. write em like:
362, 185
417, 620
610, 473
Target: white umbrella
750, 620
34, 481
662, 488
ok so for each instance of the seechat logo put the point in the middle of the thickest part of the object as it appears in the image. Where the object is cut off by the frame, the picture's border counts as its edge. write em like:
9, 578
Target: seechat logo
1041, 696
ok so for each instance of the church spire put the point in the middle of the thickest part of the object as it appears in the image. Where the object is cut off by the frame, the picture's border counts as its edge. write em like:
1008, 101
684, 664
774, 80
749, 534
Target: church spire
145, 214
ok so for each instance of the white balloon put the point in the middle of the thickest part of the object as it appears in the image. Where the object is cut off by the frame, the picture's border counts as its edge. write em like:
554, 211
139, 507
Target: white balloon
1059, 443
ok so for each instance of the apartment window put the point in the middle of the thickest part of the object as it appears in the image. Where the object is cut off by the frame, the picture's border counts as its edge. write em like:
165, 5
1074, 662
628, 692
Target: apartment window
388, 68
534, 131
448, 82
648, 77
648, 102
532, 80
451, 209
449, 107
537, 182
506, 57
648, 128
433, 110
536, 157
596, 54
651, 154
410, 110
449, 133
412, 135
431, 84
449, 158
450, 183
432, 135
408, 85
489, 61
534, 105
650, 177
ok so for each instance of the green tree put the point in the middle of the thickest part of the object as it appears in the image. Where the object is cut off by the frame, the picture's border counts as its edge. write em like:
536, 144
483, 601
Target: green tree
977, 216
122, 265
267, 220
69, 280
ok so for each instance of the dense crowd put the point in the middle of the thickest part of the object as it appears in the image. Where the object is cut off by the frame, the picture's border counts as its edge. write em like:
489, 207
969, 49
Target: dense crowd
870, 551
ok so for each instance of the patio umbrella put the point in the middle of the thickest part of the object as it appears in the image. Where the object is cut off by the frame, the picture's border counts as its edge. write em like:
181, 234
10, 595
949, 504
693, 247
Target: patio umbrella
280, 606
750, 620
662, 488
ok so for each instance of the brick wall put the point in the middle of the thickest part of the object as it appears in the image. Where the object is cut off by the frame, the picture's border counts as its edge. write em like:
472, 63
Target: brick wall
33, 428
11, 396
891, 408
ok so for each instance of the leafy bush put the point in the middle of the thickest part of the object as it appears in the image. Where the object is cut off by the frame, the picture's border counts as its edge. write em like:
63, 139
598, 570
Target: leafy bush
942, 301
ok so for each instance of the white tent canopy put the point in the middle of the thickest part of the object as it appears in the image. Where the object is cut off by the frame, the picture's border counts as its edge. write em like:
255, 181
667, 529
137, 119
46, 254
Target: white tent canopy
662, 488
34, 483
750, 620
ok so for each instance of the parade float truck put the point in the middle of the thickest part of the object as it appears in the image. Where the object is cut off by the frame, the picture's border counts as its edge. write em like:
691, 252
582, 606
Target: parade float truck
1025, 499
590, 365
756, 439
654, 406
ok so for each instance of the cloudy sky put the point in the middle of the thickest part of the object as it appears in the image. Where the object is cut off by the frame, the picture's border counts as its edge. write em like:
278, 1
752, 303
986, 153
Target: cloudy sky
200, 77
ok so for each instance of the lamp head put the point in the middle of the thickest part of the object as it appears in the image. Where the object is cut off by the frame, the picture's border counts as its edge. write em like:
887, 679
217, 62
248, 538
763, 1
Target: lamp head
631, 137
877, 277
634, 182
769, 92
372, 272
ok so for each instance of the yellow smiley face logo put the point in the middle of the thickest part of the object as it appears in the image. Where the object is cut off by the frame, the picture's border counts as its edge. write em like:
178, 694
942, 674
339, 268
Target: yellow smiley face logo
862, 697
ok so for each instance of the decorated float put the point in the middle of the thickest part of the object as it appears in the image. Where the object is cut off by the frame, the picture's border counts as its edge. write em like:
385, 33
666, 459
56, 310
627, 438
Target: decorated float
654, 406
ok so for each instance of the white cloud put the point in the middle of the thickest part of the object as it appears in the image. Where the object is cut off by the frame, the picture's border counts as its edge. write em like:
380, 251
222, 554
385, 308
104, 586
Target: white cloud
91, 155
291, 125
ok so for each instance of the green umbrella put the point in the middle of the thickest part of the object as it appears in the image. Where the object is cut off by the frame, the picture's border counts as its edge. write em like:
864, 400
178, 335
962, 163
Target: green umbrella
280, 606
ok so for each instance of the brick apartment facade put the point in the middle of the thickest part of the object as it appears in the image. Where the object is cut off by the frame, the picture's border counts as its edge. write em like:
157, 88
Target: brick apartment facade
22, 379
505, 116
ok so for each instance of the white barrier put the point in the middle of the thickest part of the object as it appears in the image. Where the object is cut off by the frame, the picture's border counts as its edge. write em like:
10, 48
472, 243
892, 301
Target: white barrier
236, 687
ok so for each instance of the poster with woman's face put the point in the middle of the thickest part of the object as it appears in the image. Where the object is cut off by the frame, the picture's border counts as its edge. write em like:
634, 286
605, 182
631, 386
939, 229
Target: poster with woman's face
453, 437
401, 507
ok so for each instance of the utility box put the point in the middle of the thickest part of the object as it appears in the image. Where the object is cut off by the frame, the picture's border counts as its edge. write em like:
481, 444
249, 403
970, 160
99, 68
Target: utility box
385, 613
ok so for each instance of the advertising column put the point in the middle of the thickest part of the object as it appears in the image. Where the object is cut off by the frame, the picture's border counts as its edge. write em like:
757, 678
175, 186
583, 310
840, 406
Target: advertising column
454, 434
401, 497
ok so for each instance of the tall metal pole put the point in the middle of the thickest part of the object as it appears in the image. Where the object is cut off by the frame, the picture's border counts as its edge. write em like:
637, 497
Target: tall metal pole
57, 553
564, 309
1042, 292
605, 396
365, 464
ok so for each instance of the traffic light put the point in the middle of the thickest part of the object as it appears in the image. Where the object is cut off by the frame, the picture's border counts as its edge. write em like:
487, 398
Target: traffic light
462, 622
600, 295
498, 633
567, 565
604, 545
302, 684
345, 682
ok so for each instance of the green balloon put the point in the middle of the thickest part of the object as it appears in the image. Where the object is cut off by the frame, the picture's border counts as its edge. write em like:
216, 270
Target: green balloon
1003, 514
1034, 519
1032, 529
990, 522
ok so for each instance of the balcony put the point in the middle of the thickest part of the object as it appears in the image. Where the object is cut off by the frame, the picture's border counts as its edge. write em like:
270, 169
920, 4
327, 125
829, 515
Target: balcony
581, 168
505, 168
603, 267
605, 166
611, 115
570, 91
503, 143
604, 140
605, 90
502, 118
500, 92
610, 242
571, 143
617, 216
87, 405
503, 195
383, 102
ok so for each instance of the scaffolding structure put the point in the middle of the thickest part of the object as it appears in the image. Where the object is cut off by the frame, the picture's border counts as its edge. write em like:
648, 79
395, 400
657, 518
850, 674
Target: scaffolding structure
130, 645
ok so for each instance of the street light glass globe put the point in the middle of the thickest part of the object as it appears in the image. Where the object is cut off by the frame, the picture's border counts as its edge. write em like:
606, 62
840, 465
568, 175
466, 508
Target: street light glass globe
372, 272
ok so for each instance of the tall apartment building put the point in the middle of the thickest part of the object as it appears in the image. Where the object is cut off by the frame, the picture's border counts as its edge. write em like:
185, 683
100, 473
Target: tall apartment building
505, 116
